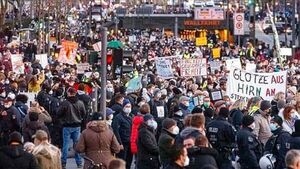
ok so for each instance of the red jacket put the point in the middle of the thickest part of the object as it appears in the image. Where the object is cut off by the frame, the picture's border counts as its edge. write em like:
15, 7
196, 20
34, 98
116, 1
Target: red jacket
136, 122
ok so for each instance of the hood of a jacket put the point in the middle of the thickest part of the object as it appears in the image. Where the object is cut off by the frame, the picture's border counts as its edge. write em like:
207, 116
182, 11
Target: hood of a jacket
137, 120
97, 126
13, 151
72, 99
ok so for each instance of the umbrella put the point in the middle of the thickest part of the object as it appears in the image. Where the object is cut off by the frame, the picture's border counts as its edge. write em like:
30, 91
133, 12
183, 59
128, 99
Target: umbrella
114, 44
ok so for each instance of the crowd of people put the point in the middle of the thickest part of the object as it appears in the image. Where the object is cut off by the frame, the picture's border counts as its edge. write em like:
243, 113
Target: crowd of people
158, 126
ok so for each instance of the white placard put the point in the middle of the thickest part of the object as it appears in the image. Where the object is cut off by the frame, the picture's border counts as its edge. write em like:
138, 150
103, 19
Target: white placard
97, 46
193, 67
160, 111
164, 68
43, 59
285, 52
247, 84
82, 67
233, 63
17, 63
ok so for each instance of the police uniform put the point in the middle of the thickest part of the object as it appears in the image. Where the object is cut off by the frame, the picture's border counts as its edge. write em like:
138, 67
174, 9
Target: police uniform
250, 149
221, 135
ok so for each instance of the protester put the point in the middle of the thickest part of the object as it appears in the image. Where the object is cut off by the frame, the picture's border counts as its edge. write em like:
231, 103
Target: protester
13, 155
71, 112
47, 155
98, 142
179, 158
148, 151
122, 124
262, 122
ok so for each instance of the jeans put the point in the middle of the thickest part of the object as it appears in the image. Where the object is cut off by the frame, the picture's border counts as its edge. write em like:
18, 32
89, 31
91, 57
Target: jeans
68, 134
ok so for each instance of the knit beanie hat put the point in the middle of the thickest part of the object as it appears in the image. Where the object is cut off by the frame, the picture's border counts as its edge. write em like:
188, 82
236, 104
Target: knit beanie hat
148, 117
125, 102
168, 123
265, 105
224, 112
278, 120
247, 120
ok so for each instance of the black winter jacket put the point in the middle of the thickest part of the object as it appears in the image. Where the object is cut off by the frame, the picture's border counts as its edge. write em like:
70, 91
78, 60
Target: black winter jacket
14, 157
165, 143
71, 112
122, 127
147, 156
294, 141
201, 156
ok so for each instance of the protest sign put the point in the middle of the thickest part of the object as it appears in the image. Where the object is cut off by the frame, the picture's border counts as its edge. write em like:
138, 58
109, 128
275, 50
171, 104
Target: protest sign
193, 67
216, 52
134, 84
97, 46
164, 68
214, 65
64, 58
243, 84
233, 63
17, 63
201, 41
43, 59
82, 67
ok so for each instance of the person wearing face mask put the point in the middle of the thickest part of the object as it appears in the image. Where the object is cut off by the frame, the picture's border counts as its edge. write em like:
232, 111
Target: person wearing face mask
250, 148
179, 158
184, 103
221, 135
262, 122
166, 140
148, 151
276, 145
87, 100
206, 103
122, 125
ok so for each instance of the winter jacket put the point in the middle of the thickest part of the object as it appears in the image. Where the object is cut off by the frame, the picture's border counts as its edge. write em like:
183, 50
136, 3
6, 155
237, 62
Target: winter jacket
148, 151
99, 143
294, 141
250, 149
122, 125
86, 99
31, 129
278, 146
22, 108
71, 112
48, 156
36, 87
262, 128
201, 156
173, 165
44, 117
10, 122
184, 109
14, 157
136, 122
165, 142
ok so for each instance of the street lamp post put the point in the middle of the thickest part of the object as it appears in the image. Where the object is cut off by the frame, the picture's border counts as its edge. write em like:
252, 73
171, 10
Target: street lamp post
103, 70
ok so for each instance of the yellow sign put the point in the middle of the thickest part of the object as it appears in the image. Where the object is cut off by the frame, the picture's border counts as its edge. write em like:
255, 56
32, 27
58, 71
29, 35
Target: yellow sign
216, 53
201, 41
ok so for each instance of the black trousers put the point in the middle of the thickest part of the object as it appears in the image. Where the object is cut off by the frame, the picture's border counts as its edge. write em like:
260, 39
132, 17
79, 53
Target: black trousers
126, 155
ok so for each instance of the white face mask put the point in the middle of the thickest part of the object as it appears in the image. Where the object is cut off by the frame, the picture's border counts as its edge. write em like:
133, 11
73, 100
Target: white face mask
252, 126
175, 130
127, 110
186, 161
152, 124
109, 122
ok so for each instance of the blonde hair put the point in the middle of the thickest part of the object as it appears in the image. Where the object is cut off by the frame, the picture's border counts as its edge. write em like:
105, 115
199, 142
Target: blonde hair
239, 104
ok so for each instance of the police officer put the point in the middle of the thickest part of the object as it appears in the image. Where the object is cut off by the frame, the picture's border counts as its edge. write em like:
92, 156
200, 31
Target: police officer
221, 135
250, 149
276, 145
294, 141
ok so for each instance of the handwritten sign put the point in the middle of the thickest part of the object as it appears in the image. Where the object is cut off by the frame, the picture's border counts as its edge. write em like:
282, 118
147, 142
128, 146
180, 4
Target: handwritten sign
17, 63
243, 84
193, 67
82, 67
164, 68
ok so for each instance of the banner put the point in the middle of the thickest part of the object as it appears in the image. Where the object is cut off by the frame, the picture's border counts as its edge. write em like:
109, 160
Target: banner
43, 59
246, 84
251, 67
17, 63
193, 67
82, 67
164, 68
64, 58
